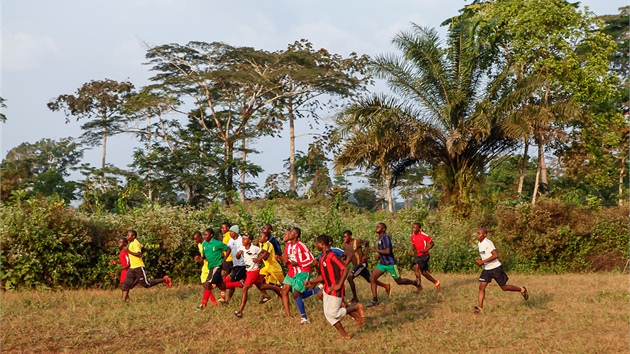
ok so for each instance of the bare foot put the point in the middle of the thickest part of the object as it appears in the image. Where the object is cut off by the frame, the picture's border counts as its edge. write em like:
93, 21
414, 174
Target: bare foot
361, 315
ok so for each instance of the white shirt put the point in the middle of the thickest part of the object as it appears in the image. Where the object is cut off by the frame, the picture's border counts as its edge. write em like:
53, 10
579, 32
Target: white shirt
485, 251
249, 255
234, 246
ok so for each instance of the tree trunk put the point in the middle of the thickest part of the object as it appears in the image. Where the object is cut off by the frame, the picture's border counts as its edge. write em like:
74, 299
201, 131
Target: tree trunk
150, 170
104, 146
244, 158
621, 174
536, 186
523, 168
229, 183
292, 184
389, 193
541, 171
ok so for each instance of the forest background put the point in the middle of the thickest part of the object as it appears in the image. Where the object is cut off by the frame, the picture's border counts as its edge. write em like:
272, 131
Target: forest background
452, 136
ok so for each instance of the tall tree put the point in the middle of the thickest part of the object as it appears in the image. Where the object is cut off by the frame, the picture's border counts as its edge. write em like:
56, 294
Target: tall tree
101, 104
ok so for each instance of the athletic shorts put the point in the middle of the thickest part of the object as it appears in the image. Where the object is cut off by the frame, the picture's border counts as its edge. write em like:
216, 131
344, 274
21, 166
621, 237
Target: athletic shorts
332, 308
498, 274
297, 281
204, 274
227, 266
253, 277
214, 276
272, 277
361, 271
423, 262
389, 268
136, 276
238, 273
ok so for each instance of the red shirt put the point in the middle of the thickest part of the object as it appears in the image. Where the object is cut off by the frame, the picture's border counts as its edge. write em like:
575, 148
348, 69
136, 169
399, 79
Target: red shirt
331, 268
420, 241
124, 261
298, 252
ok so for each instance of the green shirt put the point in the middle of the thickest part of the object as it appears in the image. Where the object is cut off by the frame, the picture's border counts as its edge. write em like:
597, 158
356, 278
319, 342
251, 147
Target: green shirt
213, 251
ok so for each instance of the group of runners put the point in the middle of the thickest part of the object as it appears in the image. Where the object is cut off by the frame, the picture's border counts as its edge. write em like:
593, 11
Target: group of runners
233, 260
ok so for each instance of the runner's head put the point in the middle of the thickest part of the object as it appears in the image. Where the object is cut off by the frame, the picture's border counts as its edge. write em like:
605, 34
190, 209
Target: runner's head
247, 239
208, 234
416, 228
347, 236
323, 242
131, 235
267, 228
264, 237
122, 242
198, 237
482, 232
225, 227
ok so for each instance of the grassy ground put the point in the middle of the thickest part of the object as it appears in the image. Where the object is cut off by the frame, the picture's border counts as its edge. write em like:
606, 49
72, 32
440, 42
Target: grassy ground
574, 313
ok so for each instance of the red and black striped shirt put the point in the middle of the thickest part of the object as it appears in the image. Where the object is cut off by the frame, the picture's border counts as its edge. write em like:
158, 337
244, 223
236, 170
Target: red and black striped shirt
331, 268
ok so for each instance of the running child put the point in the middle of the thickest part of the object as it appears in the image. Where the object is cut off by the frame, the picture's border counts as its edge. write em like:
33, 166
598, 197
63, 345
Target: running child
421, 244
200, 258
213, 253
492, 269
298, 259
252, 256
386, 264
273, 240
226, 264
353, 251
271, 271
333, 272
136, 273
123, 260
236, 279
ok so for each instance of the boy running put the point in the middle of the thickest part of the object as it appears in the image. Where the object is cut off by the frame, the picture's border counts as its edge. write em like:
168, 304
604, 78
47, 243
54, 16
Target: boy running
200, 258
421, 244
213, 254
298, 259
252, 256
333, 272
273, 240
492, 269
123, 260
236, 279
353, 254
226, 264
387, 263
272, 271
136, 273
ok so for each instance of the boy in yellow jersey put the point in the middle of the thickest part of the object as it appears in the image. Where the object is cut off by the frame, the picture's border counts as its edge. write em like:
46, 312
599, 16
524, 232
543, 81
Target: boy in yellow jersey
200, 258
272, 271
136, 273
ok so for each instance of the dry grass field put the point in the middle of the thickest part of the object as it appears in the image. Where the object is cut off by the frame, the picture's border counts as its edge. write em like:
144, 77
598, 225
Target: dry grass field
574, 313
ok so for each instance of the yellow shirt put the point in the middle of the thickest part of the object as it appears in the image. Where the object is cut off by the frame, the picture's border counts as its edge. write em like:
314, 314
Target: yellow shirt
226, 239
135, 262
204, 270
271, 263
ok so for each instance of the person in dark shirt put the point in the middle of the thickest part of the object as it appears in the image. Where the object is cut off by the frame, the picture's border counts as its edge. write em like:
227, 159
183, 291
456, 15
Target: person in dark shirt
386, 263
333, 273
273, 240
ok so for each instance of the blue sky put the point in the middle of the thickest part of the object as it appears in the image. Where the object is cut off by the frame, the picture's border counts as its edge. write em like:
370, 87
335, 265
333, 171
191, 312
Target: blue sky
53, 47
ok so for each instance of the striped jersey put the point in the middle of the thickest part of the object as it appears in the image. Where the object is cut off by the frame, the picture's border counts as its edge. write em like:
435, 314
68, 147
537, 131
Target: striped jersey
331, 269
298, 252
384, 242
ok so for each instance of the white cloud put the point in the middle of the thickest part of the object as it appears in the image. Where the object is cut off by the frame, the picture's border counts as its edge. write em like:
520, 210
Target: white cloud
21, 51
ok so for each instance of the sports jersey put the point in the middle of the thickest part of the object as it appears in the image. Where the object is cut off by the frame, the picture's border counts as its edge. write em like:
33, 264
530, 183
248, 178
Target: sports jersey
298, 252
485, 251
335, 250
234, 245
249, 255
420, 242
124, 261
354, 251
331, 268
276, 245
136, 262
271, 263
384, 242
226, 239
213, 251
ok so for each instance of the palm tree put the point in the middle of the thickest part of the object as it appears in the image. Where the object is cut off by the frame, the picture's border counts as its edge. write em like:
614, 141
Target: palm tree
447, 111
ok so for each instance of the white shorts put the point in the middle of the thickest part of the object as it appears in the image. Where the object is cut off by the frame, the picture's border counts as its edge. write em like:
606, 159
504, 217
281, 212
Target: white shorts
332, 308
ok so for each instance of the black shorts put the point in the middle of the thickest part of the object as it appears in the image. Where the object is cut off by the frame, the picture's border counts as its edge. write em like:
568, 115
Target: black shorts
238, 273
136, 276
361, 271
227, 266
214, 276
423, 262
498, 274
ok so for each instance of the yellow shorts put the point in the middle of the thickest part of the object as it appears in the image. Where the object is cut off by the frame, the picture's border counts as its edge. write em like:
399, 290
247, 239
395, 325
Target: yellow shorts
272, 277
204, 274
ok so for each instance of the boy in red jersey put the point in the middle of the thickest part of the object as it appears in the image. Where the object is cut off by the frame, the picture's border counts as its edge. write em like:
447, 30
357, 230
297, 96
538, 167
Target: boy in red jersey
298, 259
123, 260
421, 244
333, 272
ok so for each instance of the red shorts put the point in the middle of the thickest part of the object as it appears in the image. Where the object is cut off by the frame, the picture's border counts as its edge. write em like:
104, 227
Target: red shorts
253, 277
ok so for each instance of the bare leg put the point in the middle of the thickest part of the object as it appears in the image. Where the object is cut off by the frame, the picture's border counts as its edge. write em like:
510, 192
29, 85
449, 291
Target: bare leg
244, 299
341, 330
285, 299
511, 288
416, 269
353, 288
373, 279
429, 277
125, 295
482, 294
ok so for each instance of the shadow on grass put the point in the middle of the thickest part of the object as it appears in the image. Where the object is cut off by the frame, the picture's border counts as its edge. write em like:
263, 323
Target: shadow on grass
473, 279
405, 308
539, 300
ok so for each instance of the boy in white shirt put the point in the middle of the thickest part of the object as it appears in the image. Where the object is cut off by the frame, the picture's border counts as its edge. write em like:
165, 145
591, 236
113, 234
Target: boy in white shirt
492, 270
251, 256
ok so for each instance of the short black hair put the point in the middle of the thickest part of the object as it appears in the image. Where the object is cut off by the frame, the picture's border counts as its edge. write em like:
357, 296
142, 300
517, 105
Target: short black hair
323, 238
197, 233
483, 229
124, 240
382, 223
133, 232
268, 234
417, 223
210, 231
226, 224
298, 230
270, 227
347, 232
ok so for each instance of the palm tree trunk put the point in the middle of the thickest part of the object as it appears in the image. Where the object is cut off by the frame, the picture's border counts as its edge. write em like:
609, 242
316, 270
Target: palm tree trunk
292, 185
541, 171
244, 159
389, 196
523, 168
104, 146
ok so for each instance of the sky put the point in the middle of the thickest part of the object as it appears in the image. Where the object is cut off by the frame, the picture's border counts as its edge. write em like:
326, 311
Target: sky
51, 48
